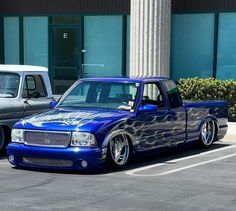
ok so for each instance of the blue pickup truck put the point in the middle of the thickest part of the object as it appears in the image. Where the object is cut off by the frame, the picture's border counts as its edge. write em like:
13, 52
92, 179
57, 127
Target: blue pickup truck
102, 120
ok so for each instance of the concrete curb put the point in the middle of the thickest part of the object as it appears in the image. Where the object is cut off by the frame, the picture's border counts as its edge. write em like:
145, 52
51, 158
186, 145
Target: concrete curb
231, 133
231, 128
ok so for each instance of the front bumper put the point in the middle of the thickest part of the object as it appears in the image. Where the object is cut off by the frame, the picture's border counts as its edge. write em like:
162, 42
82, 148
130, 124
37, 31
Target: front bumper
50, 157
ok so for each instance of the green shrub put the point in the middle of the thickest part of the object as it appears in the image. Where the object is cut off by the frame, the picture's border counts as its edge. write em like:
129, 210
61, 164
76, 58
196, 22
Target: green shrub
210, 89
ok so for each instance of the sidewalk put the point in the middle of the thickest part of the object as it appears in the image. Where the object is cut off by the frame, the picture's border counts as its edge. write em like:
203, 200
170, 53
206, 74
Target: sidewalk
231, 133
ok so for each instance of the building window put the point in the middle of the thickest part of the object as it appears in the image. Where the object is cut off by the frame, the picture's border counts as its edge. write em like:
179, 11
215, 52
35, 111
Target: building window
192, 45
2, 40
102, 46
36, 41
226, 63
128, 47
11, 40
66, 20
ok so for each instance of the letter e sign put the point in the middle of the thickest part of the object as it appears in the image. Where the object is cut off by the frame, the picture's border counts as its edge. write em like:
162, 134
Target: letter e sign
65, 35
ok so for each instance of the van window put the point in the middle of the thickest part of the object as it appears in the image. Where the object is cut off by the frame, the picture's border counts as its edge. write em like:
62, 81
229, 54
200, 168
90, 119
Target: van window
34, 87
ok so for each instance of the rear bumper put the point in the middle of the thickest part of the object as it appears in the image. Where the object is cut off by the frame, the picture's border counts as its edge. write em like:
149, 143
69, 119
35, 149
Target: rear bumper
72, 155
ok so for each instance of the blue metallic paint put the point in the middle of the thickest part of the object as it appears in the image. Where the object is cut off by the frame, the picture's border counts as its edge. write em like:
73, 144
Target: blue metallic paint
146, 130
96, 121
94, 156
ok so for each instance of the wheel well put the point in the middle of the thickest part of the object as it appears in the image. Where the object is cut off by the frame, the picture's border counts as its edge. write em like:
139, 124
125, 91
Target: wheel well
130, 142
125, 134
216, 130
215, 125
7, 132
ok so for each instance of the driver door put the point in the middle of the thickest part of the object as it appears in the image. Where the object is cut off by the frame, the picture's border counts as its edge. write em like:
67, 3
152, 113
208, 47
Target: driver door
35, 95
154, 127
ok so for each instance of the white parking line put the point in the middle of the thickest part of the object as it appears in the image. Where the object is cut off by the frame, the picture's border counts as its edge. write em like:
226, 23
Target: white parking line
4, 163
133, 172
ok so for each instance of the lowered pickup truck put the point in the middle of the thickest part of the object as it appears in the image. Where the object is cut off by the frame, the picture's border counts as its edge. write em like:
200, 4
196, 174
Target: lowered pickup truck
110, 119
24, 90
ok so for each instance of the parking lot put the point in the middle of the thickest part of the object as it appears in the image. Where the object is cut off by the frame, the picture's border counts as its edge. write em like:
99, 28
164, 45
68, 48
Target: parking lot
188, 178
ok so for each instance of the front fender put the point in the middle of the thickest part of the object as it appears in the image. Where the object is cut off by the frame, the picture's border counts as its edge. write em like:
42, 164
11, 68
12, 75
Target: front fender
114, 133
8, 122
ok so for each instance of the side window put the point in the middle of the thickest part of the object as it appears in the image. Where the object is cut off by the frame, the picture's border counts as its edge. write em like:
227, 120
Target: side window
173, 93
34, 87
122, 93
152, 95
118, 93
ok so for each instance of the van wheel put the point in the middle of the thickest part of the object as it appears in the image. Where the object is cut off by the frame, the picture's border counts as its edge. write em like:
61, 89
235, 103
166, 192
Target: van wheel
5, 135
208, 132
118, 151
2, 140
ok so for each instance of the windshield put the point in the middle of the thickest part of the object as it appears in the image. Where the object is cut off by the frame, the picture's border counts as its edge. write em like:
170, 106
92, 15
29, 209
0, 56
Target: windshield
93, 94
9, 84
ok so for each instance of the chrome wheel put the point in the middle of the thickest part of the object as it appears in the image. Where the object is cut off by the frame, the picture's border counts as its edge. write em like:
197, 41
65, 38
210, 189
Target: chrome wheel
119, 150
2, 138
208, 133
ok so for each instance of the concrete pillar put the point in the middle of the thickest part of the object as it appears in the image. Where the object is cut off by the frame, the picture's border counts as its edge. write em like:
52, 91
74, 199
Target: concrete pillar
150, 37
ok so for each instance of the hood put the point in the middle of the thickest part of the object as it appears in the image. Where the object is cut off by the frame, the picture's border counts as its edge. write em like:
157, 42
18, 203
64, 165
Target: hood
70, 119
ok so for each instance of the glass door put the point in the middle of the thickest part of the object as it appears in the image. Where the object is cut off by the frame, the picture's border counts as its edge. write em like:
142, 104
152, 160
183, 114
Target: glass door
66, 57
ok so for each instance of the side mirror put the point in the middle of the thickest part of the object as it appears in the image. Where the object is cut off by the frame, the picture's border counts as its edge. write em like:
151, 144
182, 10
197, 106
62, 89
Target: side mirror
53, 104
148, 108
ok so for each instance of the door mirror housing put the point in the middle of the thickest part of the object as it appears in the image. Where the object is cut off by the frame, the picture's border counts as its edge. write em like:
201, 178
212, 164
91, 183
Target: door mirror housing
53, 104
148, 108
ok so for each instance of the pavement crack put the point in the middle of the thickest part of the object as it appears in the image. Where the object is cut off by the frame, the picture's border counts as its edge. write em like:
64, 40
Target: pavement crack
46, 182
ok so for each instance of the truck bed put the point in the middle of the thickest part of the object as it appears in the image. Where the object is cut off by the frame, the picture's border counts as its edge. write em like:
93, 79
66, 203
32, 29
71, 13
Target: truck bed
197, 112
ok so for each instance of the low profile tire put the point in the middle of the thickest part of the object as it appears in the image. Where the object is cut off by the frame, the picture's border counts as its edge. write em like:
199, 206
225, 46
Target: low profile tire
3, 141
208, 132
118, 151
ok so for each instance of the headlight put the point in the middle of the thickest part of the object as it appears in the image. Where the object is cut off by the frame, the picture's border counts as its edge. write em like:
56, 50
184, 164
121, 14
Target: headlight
17, 135
81, 139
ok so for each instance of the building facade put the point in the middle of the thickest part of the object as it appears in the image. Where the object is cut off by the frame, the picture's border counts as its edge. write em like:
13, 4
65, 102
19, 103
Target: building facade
203, 40
73, 38
85, 38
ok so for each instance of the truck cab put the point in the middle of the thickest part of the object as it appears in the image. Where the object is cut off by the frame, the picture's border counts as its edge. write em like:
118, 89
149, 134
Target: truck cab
24, 90
162, 109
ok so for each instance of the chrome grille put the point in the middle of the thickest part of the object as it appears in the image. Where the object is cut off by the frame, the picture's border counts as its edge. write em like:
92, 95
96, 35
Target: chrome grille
47, 162
47, 138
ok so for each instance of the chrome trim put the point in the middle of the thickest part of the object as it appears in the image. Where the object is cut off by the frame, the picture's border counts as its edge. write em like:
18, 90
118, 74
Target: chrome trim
208, 132
47, 162
69, 134
119, 149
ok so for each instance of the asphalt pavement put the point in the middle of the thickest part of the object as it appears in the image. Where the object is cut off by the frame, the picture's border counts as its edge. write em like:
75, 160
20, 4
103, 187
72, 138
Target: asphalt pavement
187, 178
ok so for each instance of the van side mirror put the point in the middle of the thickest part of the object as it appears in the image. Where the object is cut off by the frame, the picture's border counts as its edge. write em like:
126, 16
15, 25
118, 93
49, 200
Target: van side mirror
148, 108
53, 104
